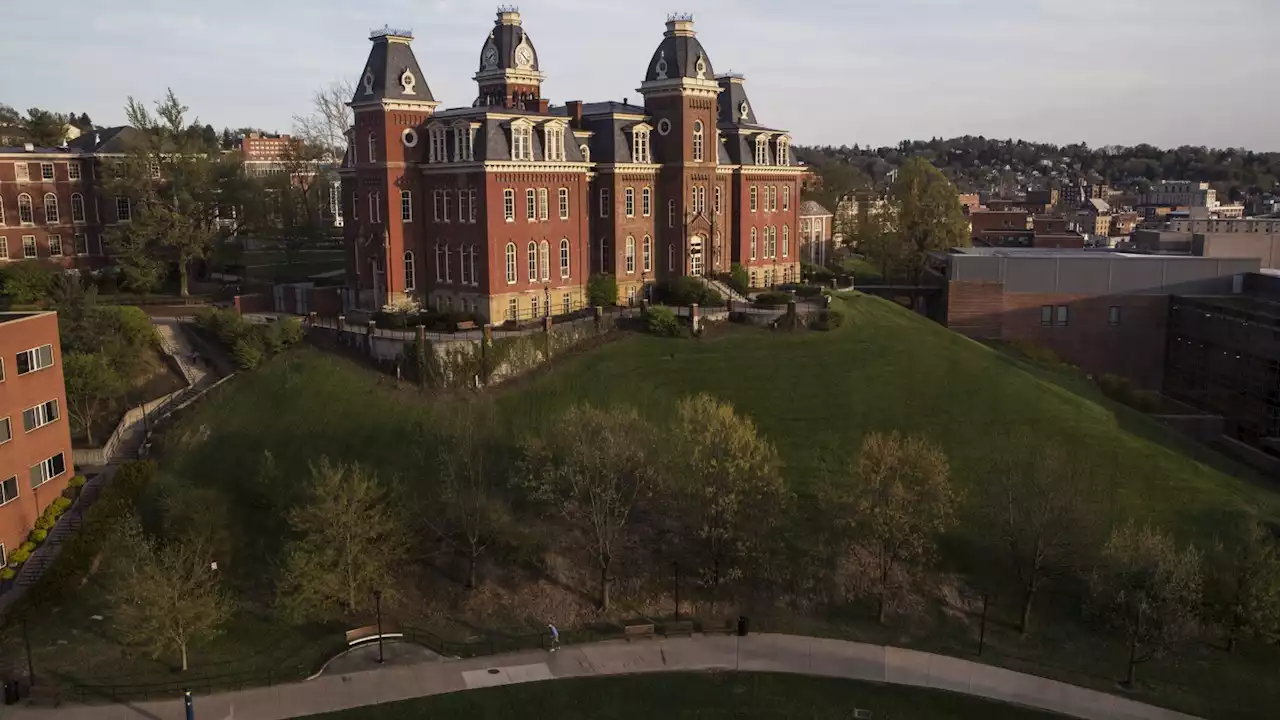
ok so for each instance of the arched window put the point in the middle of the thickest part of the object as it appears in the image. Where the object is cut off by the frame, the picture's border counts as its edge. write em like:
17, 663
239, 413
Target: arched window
773, 242
544, 252
646, 254
753, 243
410, 275
406, 206
564, 258
671, 213
786, 241
717, 199
646, 201
511, 263
697, 141
26, 215
373, 147
77, 209
509, 205
533, 261
629, 202
631, 255
786, 197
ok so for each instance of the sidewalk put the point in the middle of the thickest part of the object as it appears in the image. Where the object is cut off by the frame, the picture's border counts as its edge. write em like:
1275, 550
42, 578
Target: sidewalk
759, 653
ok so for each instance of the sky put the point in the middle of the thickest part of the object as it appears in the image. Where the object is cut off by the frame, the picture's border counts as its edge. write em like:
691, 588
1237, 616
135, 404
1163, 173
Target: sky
870, 72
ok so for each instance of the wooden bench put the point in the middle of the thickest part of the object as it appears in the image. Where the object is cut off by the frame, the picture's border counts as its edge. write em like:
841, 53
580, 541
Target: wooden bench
467, 325
638, 631
369, 633
726, 626
679, 627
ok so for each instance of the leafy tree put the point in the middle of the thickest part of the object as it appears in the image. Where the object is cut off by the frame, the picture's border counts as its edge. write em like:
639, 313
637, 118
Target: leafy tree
93, 386
349, 540
470, 511
726, 483
1149, 589
1040, 515
289, 209
602, 290
9, 116
26, 282
178, 190
874, 235
738, 279
43, 128
594, 465
900, 499
926, 213
84, 122
166, 595
1242, 583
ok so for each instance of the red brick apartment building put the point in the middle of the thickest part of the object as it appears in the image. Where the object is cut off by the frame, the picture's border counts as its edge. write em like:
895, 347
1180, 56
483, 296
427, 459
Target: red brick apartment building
506, 207
35, 437
1106, 312
53, 206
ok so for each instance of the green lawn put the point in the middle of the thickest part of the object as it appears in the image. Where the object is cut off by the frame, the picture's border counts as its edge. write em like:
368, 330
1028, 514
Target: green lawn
703, 696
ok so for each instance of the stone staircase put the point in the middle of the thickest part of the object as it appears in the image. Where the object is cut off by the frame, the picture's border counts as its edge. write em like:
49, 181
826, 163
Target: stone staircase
722, 288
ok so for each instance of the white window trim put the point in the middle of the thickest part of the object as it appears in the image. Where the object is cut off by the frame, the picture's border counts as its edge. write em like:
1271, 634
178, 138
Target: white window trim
35, 356
629, 202
646, 201
410, 273
564, 203
31, 210
7, 420
565, 259
630, 255
530, 205
17, 492
43, 419
35, 249
605, 200
543, 205
46, 477
531, 257
406, 206
509, 204
513, 263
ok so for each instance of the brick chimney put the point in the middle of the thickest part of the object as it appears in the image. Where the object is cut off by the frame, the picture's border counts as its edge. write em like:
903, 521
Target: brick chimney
575, 113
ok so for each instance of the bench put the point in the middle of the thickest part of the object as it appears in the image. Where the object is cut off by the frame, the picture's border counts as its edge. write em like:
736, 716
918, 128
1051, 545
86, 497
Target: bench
467, 325
679, 627
726, 626
369, 633
638, 631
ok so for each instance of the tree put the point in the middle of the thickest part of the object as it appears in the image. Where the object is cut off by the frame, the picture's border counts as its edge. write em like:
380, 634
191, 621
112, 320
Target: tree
470, 511
43, 128
166, 595
927, 214
27, 282
1148, 589
349, 540
84, 122
900, 500
1039, 514
602, 290
179, 191
326, 126
593, 465
1242, 587
93, 385
726, 482
9, 116
874, 235
289, 209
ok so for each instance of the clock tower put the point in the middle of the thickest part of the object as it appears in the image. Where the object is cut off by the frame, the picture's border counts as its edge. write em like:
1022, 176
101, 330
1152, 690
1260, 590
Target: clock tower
508, 75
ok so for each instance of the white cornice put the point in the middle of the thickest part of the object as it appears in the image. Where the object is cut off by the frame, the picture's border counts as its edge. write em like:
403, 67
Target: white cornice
407, 105
535, 167
629, 167
531, 77
680, 86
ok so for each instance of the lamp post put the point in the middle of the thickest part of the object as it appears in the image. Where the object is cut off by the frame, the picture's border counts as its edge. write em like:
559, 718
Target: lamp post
190, 706
377, 604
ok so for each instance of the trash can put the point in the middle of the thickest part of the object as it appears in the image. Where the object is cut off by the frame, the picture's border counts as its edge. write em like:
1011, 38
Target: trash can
742, 626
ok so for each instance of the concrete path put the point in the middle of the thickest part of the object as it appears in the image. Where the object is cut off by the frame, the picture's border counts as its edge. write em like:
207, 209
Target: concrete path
759, 653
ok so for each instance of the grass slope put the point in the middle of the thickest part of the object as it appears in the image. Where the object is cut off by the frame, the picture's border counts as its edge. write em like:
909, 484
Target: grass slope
705, 697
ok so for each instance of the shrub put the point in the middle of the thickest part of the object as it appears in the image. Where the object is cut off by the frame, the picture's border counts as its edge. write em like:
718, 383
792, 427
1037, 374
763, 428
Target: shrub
38, 535
268, 337
816, 273
686, 291
772, 299
20, 554
8, 574
248, 354
1122, 390
45, 522
737, 278
59, 506
1036, 353
25, 283
829, 320
602, 290
77, 482
663, 322
808, 291
290, 331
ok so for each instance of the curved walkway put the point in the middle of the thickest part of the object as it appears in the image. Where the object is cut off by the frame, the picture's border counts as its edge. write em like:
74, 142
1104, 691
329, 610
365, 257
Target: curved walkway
757, 653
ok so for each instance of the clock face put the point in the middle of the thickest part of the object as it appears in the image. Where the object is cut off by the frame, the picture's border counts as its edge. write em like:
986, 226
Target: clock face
490, 58
524, 56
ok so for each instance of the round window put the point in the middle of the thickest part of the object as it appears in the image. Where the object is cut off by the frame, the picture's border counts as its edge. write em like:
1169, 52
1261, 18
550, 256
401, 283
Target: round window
410, 137
664, 126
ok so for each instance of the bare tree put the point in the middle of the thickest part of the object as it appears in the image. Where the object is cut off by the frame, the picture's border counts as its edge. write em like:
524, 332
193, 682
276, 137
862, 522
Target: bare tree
1040, 515
327, 124
593, 465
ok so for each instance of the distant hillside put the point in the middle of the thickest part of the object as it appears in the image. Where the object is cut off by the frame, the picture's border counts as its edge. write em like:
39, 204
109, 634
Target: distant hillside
979, 164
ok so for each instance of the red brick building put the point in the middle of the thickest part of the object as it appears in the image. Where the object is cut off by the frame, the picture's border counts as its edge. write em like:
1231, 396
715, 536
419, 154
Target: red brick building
506, 207
52, 203
35, 437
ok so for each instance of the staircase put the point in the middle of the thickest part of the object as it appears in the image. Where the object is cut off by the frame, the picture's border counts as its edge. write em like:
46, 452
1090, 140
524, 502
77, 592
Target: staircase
35, 568
722, 288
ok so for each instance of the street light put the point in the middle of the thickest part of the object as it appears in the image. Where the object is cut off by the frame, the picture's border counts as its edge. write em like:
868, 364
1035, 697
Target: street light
377, 603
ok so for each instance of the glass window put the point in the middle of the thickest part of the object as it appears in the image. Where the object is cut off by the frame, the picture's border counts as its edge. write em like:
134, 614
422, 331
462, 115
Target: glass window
1113, 315
513, 308
564, 203
604, 202
26, 213
6, 430
447, 197
697, 141
629, 202
753, 198
406, 206
564, 259
530, 204
8, 491
46, 171
40, 415
544, 255
474, 280
439, 263
410, 274
28, 246
717, 199
22, 171
511, 263
646, 201
55, 246
509, 204
542, 204
1046, 314
1063, 317
34, 359
646, 253
753, 243
50, 208
533, 261
631, 255
47, 470
77, 208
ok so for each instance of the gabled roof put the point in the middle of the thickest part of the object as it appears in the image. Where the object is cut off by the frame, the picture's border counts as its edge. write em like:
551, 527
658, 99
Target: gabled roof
106, 140
812, 208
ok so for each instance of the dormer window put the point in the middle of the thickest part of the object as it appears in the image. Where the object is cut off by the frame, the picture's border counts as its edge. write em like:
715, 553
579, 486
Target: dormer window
640, 145
438, 145
462, 142
762, 150
521, 141
784, 151
553, 141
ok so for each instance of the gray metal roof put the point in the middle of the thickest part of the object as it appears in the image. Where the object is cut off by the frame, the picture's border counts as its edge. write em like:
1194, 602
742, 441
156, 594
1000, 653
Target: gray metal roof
812, 208
389, 58
505, 37
677, 56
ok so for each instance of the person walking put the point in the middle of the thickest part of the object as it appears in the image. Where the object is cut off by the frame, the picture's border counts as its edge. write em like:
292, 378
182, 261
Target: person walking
555, 638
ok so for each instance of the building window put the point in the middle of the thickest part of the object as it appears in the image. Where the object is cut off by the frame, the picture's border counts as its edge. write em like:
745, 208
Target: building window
533, 261
51, 209
410, 275
1063, 317
533, 306
28, 247
511, 263
784, 151
762, 150
604, 202
604, 255
542, 204
753, 198
464, 200
124, 209
1046, 314
786, 241
773, 198
6, 431
544, 255
671, 257
34, 418
530, 204
47, 470
646, 253
509, 205
375, 213
1113, 315
55, 246
4, 248
753, 243
671, 213
26, 214
8, 493
521, 142
698, 141
21, 171
46, 171
564, 203
553, 135
373, 148
471, 206
717, 199
646, 201
629, 202
586, 153
448, 265
631, 255
475, 280
73, 171
462, 265
437, 205
513, 309
786, 198
448, 204
640, 146
564, 258
567, 304
406, 206
1, 211
437, 146
77, 207
439, 263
